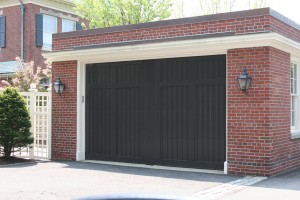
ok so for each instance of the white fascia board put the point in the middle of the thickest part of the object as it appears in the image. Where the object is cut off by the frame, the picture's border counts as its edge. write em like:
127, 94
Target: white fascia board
185, 48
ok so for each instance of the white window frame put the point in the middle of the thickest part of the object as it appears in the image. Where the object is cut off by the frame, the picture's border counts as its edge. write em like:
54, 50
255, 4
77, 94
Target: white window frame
295, 85
48, 47
68, 21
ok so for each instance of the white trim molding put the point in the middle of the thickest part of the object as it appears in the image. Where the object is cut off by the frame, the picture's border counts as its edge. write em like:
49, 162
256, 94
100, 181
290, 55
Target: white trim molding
295, 135
80, 151
183, 48
58, 14
60, 5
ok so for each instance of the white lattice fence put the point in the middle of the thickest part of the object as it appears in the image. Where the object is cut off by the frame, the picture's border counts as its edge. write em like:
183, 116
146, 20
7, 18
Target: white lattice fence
39, 105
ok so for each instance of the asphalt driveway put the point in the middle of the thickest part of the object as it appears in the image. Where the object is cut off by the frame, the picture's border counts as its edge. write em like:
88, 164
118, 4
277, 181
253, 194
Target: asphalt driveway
69, 180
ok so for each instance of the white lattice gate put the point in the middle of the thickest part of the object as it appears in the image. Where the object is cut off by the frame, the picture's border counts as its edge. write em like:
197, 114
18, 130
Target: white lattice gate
39, 105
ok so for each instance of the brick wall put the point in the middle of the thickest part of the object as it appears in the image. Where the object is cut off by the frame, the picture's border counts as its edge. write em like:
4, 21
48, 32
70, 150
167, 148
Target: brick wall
240, 26
285, 152
239, 23
259, 124
64, 111
285, 30
13, 37
13, 34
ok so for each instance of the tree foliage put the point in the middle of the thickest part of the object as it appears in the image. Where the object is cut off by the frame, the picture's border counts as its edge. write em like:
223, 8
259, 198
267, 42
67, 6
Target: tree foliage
179, 9
107, 13
206, 7
215, 6
259, 3
27, 74
14, 121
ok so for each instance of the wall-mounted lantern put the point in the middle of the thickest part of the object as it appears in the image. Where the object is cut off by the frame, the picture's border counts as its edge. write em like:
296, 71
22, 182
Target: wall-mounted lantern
244, 81
59, 86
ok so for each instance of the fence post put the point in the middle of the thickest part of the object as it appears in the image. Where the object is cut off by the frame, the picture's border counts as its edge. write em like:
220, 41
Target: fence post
32, 100
49, 117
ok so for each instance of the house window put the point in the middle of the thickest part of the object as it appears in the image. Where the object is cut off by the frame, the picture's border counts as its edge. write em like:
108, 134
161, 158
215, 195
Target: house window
294, 96
68, 25
45, 82
49, 27
2, 31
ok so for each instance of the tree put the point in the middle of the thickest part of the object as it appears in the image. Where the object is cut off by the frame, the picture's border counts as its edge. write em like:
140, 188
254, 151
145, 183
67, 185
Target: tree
220, 6
14, 122
107, 13
179, 9
215, 6
28, 74
258, 3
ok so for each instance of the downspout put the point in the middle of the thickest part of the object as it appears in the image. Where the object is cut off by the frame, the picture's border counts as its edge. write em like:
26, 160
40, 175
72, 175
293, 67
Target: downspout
22, 30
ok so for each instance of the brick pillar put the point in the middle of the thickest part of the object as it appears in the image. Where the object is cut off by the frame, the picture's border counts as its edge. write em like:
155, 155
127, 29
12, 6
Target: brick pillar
64, 111
259, 124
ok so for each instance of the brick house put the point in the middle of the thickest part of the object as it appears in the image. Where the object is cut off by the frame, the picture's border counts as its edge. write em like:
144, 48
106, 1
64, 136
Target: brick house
26, 30
166, 93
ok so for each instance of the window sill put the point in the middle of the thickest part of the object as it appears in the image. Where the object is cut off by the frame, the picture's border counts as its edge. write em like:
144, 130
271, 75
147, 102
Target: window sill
46, 49
295, 134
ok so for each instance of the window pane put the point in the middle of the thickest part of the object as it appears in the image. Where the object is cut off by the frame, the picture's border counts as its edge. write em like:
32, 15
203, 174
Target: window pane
49, 24
68, 25
294, 99
293, 79
293, 119
292, 86
49, 27
293, 103
47, 39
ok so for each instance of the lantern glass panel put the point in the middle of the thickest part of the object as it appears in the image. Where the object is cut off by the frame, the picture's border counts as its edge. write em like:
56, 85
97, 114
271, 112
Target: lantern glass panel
56, 88
62, 87
248, 83
242, 83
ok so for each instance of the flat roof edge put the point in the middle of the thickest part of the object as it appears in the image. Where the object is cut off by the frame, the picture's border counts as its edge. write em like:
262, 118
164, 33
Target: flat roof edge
170, 22
284, 19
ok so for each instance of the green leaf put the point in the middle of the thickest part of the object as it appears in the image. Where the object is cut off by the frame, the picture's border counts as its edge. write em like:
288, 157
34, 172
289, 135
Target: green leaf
107, 13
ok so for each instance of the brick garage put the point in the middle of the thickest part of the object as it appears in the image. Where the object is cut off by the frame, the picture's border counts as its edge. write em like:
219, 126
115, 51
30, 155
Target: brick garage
259, 139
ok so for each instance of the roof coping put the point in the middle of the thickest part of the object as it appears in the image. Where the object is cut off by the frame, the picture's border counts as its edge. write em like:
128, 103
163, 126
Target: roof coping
182, 21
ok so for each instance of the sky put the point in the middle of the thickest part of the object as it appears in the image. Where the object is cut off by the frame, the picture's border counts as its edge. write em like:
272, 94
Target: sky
289, 8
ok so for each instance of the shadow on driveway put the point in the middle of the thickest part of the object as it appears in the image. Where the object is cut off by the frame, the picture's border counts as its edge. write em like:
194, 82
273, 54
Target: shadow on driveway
286, 181
194, 176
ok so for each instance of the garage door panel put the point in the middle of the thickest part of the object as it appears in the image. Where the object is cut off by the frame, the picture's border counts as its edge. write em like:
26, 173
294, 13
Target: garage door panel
129, 121
174, 123
168, 111
130, 72
101, 122
210, 110
173, 69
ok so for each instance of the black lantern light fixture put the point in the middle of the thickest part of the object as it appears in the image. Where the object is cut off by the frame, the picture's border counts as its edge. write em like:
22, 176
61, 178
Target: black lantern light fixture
59, 86
244, 81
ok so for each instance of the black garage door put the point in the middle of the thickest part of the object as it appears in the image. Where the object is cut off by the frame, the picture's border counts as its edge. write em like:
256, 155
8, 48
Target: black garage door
158, 112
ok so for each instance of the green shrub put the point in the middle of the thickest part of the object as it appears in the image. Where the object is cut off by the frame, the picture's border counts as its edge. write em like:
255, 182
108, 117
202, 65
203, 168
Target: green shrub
14, 121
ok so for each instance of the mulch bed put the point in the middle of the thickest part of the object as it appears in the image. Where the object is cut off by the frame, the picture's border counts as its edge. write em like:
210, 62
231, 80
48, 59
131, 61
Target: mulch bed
13, 160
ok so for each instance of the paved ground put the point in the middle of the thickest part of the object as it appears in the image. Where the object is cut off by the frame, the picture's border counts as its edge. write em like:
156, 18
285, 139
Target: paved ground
69, 180
281, 187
